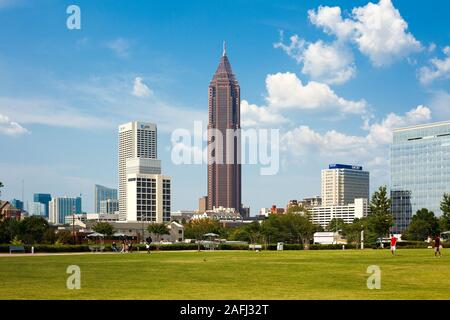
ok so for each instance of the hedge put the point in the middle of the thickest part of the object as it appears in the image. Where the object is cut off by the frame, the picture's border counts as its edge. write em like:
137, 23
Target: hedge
4, 248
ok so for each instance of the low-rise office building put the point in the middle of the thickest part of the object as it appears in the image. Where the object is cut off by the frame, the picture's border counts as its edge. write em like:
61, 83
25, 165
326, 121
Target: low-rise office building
324, 214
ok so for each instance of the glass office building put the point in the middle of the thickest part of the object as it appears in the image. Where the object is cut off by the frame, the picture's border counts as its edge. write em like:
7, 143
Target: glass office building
43, 198
420, 170
102, 193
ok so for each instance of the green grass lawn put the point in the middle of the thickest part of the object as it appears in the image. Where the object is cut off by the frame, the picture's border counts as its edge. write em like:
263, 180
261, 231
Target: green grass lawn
414, 274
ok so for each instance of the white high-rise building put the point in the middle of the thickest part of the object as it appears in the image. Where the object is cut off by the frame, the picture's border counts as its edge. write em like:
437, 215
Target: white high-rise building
342, 184
136, 140
148, 197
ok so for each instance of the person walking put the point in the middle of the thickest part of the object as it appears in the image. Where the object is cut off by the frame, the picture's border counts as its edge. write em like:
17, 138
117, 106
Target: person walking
148, 241
130, 246
114, 246
393, 245
437, 246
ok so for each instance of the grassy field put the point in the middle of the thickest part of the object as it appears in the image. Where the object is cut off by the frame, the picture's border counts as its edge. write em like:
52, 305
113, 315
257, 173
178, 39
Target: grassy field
414, 274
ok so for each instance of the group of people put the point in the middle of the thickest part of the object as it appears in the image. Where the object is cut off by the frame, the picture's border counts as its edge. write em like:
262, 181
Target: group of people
127, 246
436, 245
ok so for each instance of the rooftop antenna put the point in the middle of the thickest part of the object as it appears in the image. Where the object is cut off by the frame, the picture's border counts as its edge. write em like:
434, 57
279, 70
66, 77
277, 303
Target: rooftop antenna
224, 53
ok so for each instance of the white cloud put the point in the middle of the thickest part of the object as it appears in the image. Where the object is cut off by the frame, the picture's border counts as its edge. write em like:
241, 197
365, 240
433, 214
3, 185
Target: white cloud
303, 141
439, 69
140, 89
285, 90
329, 63
253, 116
9, 127
120, 46
330, 20
332, 64
378, 30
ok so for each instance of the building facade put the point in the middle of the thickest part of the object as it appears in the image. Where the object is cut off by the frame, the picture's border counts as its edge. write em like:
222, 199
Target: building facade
45, 199
420, 170
324, 214
342, 184
36, 209
61, 207
148, 197
18, 204
136, 140
224, 141
102, 193
109, 206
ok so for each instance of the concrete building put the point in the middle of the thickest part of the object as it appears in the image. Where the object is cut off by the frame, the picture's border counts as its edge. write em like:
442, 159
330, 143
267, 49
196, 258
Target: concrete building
136, 140
183, 215
98, 217
420, 170
45, 199
148, 197
203, 204
324, 214
311, 202
102, 193
36, 209
109, 206
138, 230
219, 213
61, 207
342, 184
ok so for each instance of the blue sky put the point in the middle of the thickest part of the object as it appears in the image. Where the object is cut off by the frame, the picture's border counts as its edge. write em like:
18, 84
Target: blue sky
334, 76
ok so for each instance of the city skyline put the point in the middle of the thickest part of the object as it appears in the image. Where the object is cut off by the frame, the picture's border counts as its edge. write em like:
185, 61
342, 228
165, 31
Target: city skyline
335, 98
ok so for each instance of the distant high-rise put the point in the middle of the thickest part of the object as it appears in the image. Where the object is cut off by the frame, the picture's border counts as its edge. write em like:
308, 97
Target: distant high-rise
224, 179
102, 193
136, 140
342, 184
18, 204
61, 207
36, 209
420, 170
43, 198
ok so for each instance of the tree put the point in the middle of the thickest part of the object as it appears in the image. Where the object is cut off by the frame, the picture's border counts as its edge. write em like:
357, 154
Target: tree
158, 229
336, 225
195, 229
290, 227
9, 228
104, 228
423, 224
49, 236
1, 186
444, 221
64, 237
32, 229
380, 218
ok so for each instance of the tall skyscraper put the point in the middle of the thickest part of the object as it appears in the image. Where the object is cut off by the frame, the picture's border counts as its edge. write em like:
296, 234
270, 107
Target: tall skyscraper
102, 193
342, 184
43, 198
224, 179
420, 170
61, 207
136, 140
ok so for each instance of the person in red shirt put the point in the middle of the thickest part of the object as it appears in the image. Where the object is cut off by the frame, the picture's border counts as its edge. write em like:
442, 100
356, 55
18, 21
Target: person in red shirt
437, 246
393, 245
